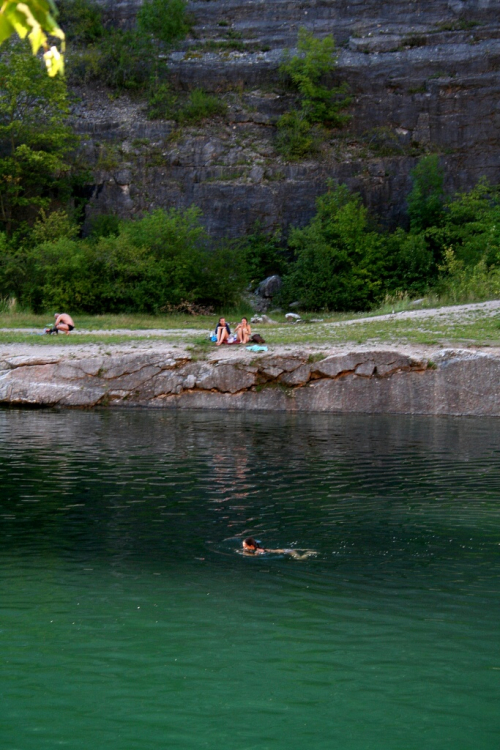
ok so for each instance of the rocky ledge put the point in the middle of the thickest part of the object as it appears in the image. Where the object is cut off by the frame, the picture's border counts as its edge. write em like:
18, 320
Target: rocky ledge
453, 382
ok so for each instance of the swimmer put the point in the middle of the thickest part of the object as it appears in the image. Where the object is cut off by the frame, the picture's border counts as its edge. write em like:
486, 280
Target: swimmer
252, 547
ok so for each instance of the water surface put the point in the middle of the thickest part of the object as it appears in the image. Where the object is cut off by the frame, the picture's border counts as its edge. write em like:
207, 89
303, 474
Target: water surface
128, 620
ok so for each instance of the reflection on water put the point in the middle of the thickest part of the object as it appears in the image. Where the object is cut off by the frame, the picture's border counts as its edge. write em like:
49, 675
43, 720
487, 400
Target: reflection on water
127, 618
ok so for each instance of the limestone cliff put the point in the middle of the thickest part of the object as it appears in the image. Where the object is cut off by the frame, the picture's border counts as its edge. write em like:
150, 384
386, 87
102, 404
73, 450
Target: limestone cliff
378, 381
423, 76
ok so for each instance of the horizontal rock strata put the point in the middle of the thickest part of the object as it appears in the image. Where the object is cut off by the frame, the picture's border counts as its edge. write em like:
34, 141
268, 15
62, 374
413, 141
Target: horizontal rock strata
456, 383
422, 77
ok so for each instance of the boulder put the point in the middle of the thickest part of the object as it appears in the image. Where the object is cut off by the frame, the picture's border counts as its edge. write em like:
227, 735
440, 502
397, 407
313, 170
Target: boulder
269, 287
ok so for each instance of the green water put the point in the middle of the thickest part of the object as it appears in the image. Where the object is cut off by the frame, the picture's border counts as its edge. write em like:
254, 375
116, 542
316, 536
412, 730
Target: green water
128, 620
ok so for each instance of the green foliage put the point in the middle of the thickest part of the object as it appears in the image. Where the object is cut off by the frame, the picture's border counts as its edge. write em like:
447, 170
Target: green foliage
34, 139
128, 60
339, 260
51, 227
198, 106
104, 225
132, 60
34, 20
425, 202
471, 225
161, 261
460, 283
413, 267
315, 61
296, 138
263, 255
164, 19
225, 276
318, 104
82, 21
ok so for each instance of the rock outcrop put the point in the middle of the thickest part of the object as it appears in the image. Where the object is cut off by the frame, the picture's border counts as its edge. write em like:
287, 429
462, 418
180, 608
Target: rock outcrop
455, 383
423, 76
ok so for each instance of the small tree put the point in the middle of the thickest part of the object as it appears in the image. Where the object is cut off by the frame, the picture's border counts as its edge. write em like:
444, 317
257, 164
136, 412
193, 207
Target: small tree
319, 105
307, 71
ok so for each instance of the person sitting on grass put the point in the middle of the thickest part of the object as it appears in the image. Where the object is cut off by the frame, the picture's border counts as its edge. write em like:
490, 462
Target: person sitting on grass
243, 331
222, 331
64, 323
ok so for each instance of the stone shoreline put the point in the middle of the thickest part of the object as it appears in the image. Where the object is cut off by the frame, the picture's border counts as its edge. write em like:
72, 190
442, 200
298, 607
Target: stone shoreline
371, 381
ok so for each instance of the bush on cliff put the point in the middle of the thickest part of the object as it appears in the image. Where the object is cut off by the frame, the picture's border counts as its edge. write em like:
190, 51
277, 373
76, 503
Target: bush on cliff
198, 105
319, 105
166, 20
82, 21
129, 59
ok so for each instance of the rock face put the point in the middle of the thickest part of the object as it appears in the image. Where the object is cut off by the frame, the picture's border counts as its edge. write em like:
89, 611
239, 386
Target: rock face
422, 76
371, 382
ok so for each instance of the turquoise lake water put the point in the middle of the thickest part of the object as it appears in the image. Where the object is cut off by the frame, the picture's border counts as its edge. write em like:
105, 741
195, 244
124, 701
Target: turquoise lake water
129, 621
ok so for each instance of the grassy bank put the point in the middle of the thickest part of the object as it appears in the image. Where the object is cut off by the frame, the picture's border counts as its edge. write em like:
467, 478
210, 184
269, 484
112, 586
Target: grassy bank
471, 325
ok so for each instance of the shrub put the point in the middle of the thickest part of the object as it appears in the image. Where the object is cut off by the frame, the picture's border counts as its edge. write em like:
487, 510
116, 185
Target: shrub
425, 202
51, 227
319, 105
263, 255
471, 225
128, 60
82, 21
412, 266
340, 263
305, 71
224, 277
461, 283
296, 137
164, 19
198, 106
104, 225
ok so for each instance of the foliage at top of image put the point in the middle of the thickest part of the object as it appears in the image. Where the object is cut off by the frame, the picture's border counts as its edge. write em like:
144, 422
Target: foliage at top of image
320, 106
35, 20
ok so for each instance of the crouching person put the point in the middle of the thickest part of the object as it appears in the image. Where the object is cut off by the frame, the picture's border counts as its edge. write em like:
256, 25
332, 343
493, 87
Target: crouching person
64, 323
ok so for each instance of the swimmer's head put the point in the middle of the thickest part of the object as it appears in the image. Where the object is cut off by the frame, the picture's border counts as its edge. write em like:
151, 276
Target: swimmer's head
251, 544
